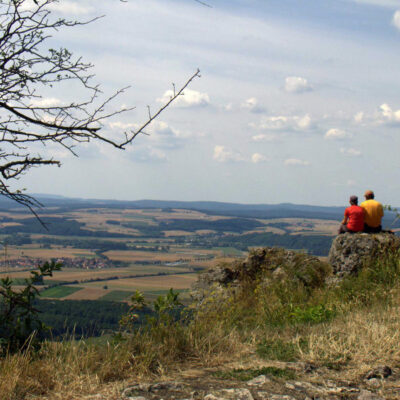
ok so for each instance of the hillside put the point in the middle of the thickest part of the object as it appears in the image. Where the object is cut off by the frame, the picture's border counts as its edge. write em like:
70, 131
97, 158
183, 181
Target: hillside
277, 316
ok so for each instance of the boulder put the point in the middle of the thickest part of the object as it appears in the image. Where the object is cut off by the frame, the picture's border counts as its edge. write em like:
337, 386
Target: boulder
349, 252
263, 263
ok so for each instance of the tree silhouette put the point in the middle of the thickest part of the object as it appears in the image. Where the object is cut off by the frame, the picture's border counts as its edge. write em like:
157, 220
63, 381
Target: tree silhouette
28, 119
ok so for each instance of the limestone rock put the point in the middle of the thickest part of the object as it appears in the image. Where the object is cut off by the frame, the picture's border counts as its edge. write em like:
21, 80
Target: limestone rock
367, 395
238, 394
258, 381
274, 263
349, 252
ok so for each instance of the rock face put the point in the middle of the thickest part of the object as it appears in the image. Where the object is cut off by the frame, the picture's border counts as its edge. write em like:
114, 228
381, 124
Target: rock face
349, 252
276, 263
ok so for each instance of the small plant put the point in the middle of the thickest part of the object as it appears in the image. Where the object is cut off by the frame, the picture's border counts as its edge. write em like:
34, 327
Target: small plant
166, 308
280, 350
19, 319
312, 314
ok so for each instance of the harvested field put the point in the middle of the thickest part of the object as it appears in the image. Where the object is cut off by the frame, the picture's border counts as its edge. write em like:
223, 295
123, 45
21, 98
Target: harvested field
117, 295
149, 283
177, 233
76, 274
54, 252
131, 255
88, 293
59, 292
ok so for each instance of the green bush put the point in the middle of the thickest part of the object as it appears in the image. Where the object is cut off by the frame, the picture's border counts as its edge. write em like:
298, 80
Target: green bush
313, 314
19, 319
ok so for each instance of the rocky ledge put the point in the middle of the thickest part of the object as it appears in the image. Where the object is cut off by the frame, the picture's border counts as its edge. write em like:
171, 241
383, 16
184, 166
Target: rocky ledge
349, 252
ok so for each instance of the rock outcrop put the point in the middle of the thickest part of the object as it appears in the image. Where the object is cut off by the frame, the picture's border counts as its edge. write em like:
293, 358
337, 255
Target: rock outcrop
263, 263
349, 252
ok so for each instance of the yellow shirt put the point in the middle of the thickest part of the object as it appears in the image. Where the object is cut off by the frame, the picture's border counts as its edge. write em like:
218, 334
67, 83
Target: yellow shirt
373, 212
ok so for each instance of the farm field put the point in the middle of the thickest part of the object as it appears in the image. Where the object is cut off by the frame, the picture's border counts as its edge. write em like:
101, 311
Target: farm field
59, 292
149, 283
108, 253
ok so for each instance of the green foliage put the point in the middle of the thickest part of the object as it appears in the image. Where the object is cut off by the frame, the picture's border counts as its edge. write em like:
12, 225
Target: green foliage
18, 316
374, 281
313, 314
166, 309
164, 305
280, 350
81, 318
314, 244
241, 374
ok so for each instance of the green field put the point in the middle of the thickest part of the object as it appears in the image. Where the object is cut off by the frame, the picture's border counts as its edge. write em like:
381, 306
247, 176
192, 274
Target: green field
117, 295
59, 292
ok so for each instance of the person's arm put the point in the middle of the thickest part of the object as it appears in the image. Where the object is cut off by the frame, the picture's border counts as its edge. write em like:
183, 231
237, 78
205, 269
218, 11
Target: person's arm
345, 218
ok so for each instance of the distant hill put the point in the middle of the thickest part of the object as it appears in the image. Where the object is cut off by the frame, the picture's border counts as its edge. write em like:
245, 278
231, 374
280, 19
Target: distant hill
265, 211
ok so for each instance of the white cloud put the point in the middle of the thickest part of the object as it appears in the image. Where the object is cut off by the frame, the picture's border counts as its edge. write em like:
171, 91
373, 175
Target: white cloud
228, 107
189, 98
281, 122
122, 125
359, 117
270, 137
304, 122
257, 158
396, 19
336, 134
388, 115
70, 7
45, 102
222, 154
296, 161
351, 182
163, 135
252, 105
159, 133
350, 152
148, 154
297, 84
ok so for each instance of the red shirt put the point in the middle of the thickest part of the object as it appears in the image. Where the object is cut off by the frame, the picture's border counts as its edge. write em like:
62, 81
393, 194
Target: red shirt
355, 215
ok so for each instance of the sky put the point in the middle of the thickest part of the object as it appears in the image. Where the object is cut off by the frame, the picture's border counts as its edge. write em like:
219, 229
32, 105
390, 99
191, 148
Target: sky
298, 101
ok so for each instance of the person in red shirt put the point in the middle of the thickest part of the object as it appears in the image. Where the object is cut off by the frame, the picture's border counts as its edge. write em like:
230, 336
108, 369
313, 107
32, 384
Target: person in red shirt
353, 220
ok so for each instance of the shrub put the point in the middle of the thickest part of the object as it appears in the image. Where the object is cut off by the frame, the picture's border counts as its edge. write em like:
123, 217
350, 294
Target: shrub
19, 319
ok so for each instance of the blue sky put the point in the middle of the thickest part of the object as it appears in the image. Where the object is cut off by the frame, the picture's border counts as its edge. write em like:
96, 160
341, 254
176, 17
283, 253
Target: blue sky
298, 102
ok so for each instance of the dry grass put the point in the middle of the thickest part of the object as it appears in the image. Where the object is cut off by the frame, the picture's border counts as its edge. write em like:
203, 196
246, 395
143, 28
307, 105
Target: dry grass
72, 370
358, 341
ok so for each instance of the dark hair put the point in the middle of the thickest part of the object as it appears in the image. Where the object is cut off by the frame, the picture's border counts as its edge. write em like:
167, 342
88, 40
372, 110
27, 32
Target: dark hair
354, 200
369, 194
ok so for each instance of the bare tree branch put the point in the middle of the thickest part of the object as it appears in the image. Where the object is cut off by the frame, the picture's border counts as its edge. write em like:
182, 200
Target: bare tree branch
28, 120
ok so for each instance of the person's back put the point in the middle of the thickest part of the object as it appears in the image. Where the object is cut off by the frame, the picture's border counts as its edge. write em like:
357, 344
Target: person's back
373, 213
355, 222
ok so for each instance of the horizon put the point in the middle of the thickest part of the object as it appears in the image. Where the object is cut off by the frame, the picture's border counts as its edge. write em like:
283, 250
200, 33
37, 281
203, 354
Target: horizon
55, 197
291, 107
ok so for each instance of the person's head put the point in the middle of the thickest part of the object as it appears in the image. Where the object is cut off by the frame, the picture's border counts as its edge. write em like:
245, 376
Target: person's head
353, 200
369, 194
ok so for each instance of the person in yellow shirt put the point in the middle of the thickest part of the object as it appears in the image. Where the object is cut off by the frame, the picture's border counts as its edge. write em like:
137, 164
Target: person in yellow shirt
373, 213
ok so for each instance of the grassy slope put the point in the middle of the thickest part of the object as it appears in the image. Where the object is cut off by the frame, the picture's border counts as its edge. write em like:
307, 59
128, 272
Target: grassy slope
345, 329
